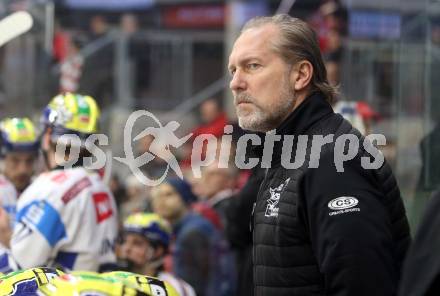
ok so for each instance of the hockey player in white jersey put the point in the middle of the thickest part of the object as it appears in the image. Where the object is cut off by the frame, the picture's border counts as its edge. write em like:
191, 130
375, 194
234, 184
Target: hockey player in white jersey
19, 148
67, 217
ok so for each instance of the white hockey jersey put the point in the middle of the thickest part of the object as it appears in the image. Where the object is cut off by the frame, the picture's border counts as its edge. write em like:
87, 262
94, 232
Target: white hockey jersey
66, 219
8, 198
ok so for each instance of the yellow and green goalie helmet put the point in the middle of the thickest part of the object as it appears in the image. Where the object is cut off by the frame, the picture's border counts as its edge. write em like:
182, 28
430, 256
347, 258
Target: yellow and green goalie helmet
89, 284
150, 285
26, 282
18, 135
70, 113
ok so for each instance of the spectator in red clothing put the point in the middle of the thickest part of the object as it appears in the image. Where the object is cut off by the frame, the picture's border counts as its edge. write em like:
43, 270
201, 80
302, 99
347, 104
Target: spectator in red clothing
213, 120
60, 43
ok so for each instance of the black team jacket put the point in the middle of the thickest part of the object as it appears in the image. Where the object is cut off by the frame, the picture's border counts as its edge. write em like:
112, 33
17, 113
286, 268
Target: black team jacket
317, 231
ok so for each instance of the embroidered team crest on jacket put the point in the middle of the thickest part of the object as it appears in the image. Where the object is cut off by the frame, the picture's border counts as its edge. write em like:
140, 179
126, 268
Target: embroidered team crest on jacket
272, 207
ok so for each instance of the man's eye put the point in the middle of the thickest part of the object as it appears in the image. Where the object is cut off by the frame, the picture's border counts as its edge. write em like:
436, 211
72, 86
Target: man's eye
253, 66
232, 72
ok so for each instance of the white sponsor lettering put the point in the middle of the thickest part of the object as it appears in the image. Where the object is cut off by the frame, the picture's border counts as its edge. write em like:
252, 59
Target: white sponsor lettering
344, 211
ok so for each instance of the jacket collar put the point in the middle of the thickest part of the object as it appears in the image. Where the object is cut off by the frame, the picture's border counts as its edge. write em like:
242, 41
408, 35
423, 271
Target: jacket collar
308, 113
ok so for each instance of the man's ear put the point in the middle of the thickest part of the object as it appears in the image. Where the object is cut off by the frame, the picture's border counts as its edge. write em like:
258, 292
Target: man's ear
301, 75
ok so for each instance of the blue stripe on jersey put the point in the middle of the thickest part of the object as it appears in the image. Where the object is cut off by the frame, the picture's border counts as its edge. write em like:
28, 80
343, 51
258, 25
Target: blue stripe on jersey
5, 267
4, 261
66, 259
45, 219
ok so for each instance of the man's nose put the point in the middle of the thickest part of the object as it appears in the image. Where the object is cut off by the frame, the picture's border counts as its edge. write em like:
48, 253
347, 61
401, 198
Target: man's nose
237, 82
